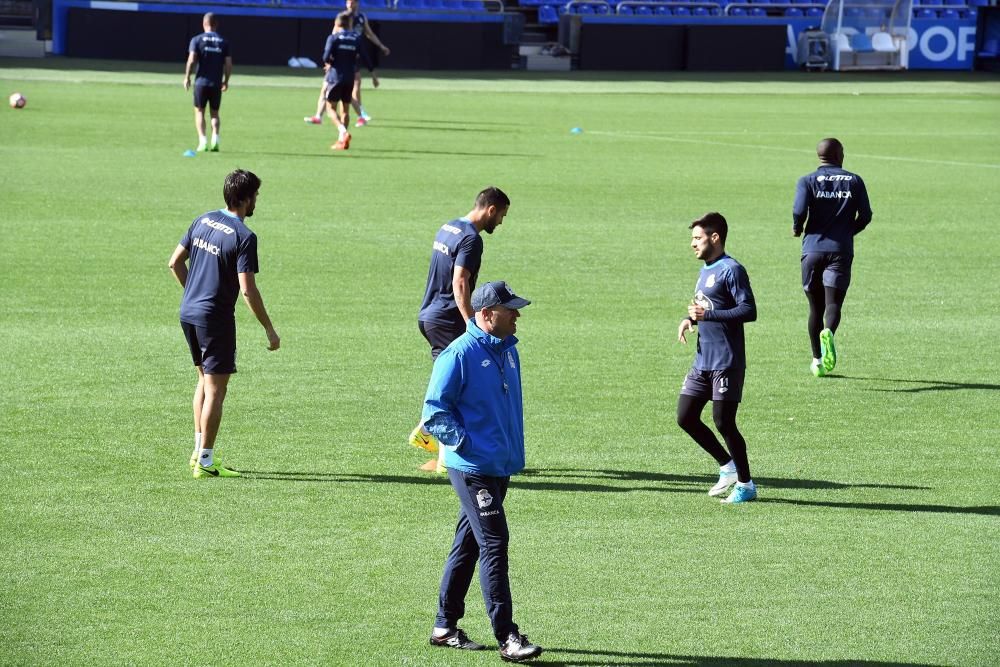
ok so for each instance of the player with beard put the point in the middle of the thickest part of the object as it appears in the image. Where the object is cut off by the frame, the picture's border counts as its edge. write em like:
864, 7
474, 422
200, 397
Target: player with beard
447, 307
723, 301
223, 264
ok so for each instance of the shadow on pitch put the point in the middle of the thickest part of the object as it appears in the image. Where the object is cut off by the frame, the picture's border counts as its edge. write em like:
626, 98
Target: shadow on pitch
447, 153
601, 481
353, 155
564, 656
928, 385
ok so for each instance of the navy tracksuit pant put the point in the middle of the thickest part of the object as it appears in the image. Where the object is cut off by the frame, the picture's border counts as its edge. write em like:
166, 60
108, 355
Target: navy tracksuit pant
481, 535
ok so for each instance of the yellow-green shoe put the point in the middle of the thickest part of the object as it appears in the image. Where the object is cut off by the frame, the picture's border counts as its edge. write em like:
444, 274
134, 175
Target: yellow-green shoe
423, 441
829, 351
214, 470
817, 368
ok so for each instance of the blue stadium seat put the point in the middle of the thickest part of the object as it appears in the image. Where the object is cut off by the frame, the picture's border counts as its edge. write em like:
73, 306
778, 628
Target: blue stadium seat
969, 13
853, 12
861, 42
474, 5
758, 11
583, 9
434, 4
794, 11
925, 14
602, 8
781, 2
662, 10
625, 10
738, 11
948, 14
699, 11
814, 12
452, 4
682, 11
715, 11
548, 14
957, 3
644, 10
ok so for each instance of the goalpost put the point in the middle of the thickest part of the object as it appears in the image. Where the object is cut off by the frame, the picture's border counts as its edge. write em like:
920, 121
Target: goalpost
868, 34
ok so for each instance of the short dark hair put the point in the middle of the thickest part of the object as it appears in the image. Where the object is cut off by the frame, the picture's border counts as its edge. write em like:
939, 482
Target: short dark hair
345, 20
492, 196
211, 20
713, 223
240, 186
830, 150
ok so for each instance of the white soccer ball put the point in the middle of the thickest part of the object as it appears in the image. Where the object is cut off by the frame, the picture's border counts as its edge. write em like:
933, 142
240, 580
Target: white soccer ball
17, 101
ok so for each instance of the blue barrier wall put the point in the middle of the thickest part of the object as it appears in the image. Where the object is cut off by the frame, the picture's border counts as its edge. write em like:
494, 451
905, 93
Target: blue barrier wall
934, 43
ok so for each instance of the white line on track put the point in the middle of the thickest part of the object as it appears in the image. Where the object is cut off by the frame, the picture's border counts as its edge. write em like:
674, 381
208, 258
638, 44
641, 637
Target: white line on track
762, 147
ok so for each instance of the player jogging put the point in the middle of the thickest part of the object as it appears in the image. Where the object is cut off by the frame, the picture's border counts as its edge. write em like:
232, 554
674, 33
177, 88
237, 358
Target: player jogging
447, 306
340, 59
723, 301
210, 51
223, 263
362, 27
831, 207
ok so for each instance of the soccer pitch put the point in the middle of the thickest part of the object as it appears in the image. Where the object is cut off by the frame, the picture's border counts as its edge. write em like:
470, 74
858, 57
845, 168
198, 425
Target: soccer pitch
876, 539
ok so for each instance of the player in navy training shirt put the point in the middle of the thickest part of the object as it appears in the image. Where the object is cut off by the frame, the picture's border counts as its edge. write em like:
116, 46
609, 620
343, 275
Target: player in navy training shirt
456, 256
223, 263
363, 28
210, 51
723, 301
831, 207
340, 59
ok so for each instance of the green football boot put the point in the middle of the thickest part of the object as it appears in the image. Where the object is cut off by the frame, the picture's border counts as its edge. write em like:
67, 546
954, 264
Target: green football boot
829, 350
214, 470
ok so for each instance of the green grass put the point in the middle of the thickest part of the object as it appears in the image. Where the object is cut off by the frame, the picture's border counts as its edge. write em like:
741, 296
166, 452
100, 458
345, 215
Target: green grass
877, 537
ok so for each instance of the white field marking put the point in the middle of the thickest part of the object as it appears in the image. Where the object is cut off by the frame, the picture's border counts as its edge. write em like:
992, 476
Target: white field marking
708, 142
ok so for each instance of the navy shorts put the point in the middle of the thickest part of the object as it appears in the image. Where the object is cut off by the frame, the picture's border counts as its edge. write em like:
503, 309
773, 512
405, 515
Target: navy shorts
213, 349
208, 96
724, 385
339, 92
440, 336
829, 269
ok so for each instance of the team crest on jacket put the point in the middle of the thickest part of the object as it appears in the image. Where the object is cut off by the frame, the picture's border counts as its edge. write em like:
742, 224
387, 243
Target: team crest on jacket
710, 280
484, 499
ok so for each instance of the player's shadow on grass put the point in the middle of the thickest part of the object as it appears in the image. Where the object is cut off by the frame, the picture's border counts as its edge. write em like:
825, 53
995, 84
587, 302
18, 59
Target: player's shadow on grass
701, 480
596, 481
414, 151
354, 155
929, 385
637, 659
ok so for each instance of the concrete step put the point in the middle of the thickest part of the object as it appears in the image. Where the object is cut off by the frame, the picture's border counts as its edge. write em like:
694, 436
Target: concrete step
21, 43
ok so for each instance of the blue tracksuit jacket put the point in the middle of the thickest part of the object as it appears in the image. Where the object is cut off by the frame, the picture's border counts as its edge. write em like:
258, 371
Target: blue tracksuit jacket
473, 404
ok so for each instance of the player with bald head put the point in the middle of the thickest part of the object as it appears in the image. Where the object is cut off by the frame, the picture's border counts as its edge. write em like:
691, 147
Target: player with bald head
831, 207
209, 52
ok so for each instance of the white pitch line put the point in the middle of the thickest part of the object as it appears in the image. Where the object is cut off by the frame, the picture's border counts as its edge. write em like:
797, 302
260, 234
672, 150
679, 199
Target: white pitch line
708, 142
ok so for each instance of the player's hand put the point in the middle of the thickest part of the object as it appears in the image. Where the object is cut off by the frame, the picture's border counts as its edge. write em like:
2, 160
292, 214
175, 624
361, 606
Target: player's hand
696, 312
273, 340
385, 50
683, 329
374, 81
187, 84
225, 87
796, 234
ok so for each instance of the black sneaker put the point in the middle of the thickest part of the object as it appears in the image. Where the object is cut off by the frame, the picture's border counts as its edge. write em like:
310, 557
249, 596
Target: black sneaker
456, 639
517, 648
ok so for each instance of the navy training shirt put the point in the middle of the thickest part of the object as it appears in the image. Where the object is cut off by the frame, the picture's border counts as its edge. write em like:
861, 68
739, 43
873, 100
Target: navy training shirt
220, 247
832, 205
723, 290
341, 53
457, 243
212, 50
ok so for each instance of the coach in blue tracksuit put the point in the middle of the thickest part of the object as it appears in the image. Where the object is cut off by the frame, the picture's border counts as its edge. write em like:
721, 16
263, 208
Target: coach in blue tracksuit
473, 407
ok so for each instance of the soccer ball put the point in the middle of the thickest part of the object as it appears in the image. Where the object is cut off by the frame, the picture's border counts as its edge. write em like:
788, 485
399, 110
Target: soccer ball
17, 101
